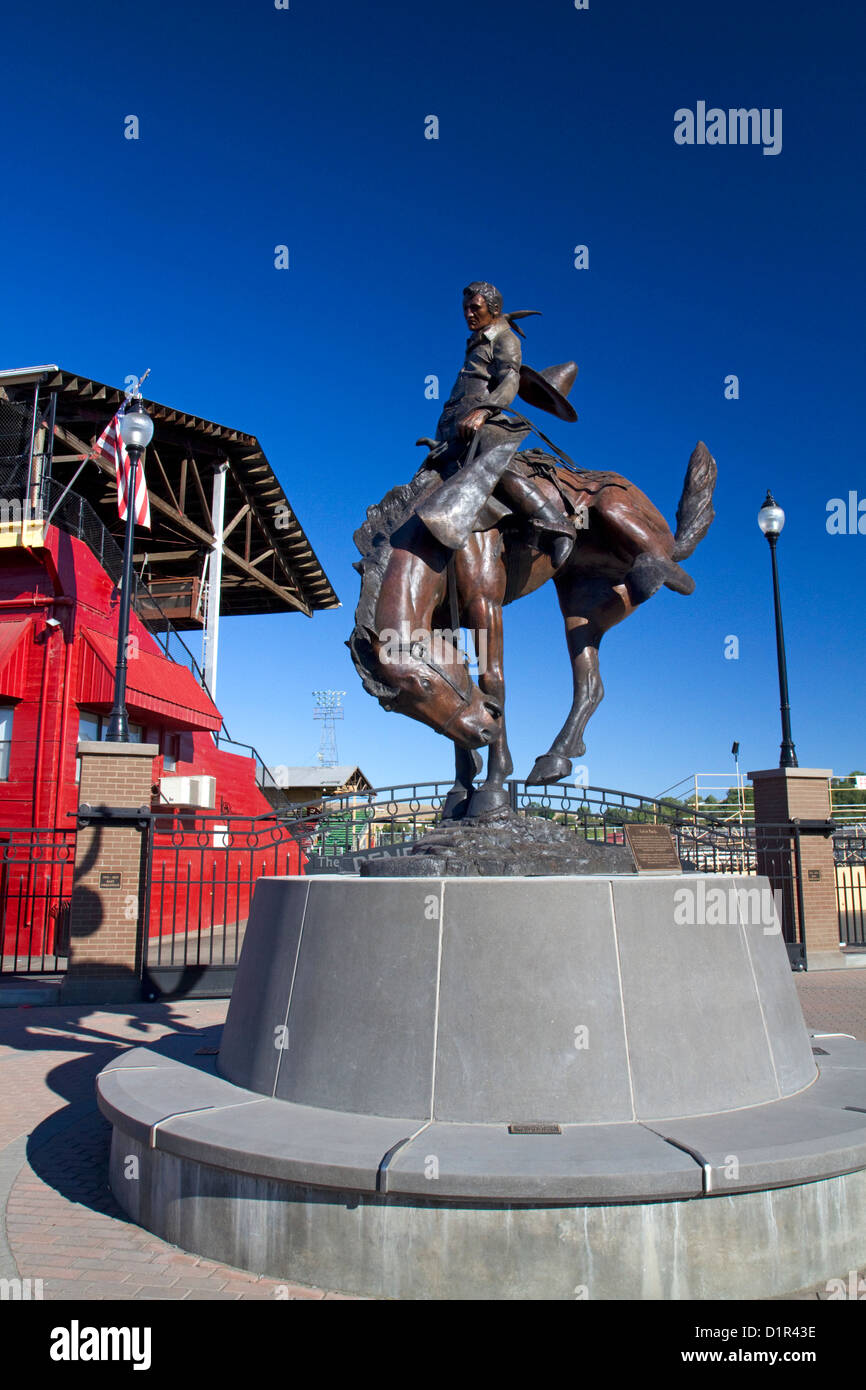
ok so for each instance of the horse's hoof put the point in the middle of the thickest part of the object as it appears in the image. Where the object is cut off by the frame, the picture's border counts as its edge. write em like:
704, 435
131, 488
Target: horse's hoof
550, 767
454, 807
487, 799
679, 581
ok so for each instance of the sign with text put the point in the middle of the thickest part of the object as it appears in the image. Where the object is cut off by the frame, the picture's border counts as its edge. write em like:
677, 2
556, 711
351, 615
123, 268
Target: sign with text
653, 849
350, 863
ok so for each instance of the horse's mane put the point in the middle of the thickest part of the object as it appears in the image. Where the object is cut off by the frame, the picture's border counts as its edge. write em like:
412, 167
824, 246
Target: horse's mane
373, 540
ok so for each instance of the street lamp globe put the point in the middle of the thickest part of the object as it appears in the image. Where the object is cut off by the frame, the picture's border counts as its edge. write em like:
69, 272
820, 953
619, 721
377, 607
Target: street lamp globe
136, 427
771, 518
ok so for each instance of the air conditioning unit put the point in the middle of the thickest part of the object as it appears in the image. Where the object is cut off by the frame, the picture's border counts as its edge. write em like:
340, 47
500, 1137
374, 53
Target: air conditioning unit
189, 791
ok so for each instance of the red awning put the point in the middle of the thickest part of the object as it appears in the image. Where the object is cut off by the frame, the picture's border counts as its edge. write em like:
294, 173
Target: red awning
13, 659
154, 685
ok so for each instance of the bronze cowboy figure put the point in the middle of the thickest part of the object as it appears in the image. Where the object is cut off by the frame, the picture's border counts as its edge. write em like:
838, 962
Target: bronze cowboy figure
449, 550
475, 438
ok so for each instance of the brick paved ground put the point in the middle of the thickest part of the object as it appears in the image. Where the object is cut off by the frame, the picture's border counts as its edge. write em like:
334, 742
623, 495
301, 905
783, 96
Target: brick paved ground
834, 1001
62, 1224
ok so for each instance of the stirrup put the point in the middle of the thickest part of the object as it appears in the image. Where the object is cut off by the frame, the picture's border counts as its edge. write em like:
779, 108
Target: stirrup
561, 549
554, 525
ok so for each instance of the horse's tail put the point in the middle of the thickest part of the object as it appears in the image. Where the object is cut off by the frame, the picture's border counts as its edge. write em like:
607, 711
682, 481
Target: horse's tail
695, 511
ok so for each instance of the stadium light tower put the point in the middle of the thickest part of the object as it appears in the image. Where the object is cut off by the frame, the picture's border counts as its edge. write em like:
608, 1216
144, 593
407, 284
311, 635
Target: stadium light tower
328, 708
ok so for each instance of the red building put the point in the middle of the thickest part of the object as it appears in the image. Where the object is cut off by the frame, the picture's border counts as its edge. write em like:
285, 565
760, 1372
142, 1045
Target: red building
59, 572
58, 646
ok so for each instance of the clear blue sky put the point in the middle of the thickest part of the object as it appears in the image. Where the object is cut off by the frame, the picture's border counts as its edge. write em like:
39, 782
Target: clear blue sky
305, 127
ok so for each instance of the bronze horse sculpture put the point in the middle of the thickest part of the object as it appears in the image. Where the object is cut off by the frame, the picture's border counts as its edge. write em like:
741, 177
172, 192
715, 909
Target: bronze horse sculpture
405, 645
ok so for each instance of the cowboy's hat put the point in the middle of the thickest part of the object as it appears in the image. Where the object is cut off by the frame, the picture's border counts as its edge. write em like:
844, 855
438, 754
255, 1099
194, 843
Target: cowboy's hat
548, 389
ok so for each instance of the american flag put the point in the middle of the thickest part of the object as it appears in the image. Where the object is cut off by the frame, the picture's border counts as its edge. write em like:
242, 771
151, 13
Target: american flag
111, 447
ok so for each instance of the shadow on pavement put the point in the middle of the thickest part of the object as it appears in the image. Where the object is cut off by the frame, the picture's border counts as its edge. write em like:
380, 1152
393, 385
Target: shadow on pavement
69, 1149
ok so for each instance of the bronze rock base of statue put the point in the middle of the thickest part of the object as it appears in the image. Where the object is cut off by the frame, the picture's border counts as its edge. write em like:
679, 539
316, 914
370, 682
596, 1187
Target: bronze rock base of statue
502, 844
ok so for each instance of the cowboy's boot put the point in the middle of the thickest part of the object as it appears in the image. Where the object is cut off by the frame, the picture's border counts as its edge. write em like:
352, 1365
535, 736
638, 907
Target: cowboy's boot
557, 531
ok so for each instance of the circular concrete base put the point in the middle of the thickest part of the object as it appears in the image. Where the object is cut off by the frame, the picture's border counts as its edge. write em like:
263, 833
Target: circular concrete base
749, 1245
593, 1087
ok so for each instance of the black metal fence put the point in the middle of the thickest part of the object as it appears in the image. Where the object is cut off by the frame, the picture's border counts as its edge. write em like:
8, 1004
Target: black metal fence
390, 819
352, 827
201, 871
849, 852
202, 867
36, 868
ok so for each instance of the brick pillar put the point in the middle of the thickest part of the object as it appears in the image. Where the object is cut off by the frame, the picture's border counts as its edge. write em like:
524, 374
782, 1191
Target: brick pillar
784, 795
105, 950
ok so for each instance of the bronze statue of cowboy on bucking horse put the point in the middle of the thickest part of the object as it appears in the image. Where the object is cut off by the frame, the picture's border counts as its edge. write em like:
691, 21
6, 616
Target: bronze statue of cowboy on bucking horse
481, 525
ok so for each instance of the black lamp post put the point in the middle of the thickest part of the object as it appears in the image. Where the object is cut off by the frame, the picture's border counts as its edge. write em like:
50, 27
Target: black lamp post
771, 519
136, 430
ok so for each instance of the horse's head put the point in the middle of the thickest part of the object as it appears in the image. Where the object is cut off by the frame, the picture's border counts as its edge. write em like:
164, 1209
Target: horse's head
426, 678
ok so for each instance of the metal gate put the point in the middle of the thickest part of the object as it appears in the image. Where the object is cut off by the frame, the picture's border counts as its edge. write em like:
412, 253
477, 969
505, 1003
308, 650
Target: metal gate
849, 852
201, 870
36, 868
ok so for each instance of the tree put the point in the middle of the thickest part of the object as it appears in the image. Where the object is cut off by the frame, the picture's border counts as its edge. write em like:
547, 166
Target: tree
845, 793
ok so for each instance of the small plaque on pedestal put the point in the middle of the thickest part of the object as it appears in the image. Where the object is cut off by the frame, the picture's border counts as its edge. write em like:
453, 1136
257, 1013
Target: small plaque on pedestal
653, 849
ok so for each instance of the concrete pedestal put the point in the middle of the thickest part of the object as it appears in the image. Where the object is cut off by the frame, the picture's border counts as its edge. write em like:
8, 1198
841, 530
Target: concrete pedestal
392, 1046
578, 1000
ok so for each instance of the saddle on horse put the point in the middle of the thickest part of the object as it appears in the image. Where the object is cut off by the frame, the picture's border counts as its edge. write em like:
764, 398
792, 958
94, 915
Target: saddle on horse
466, 501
